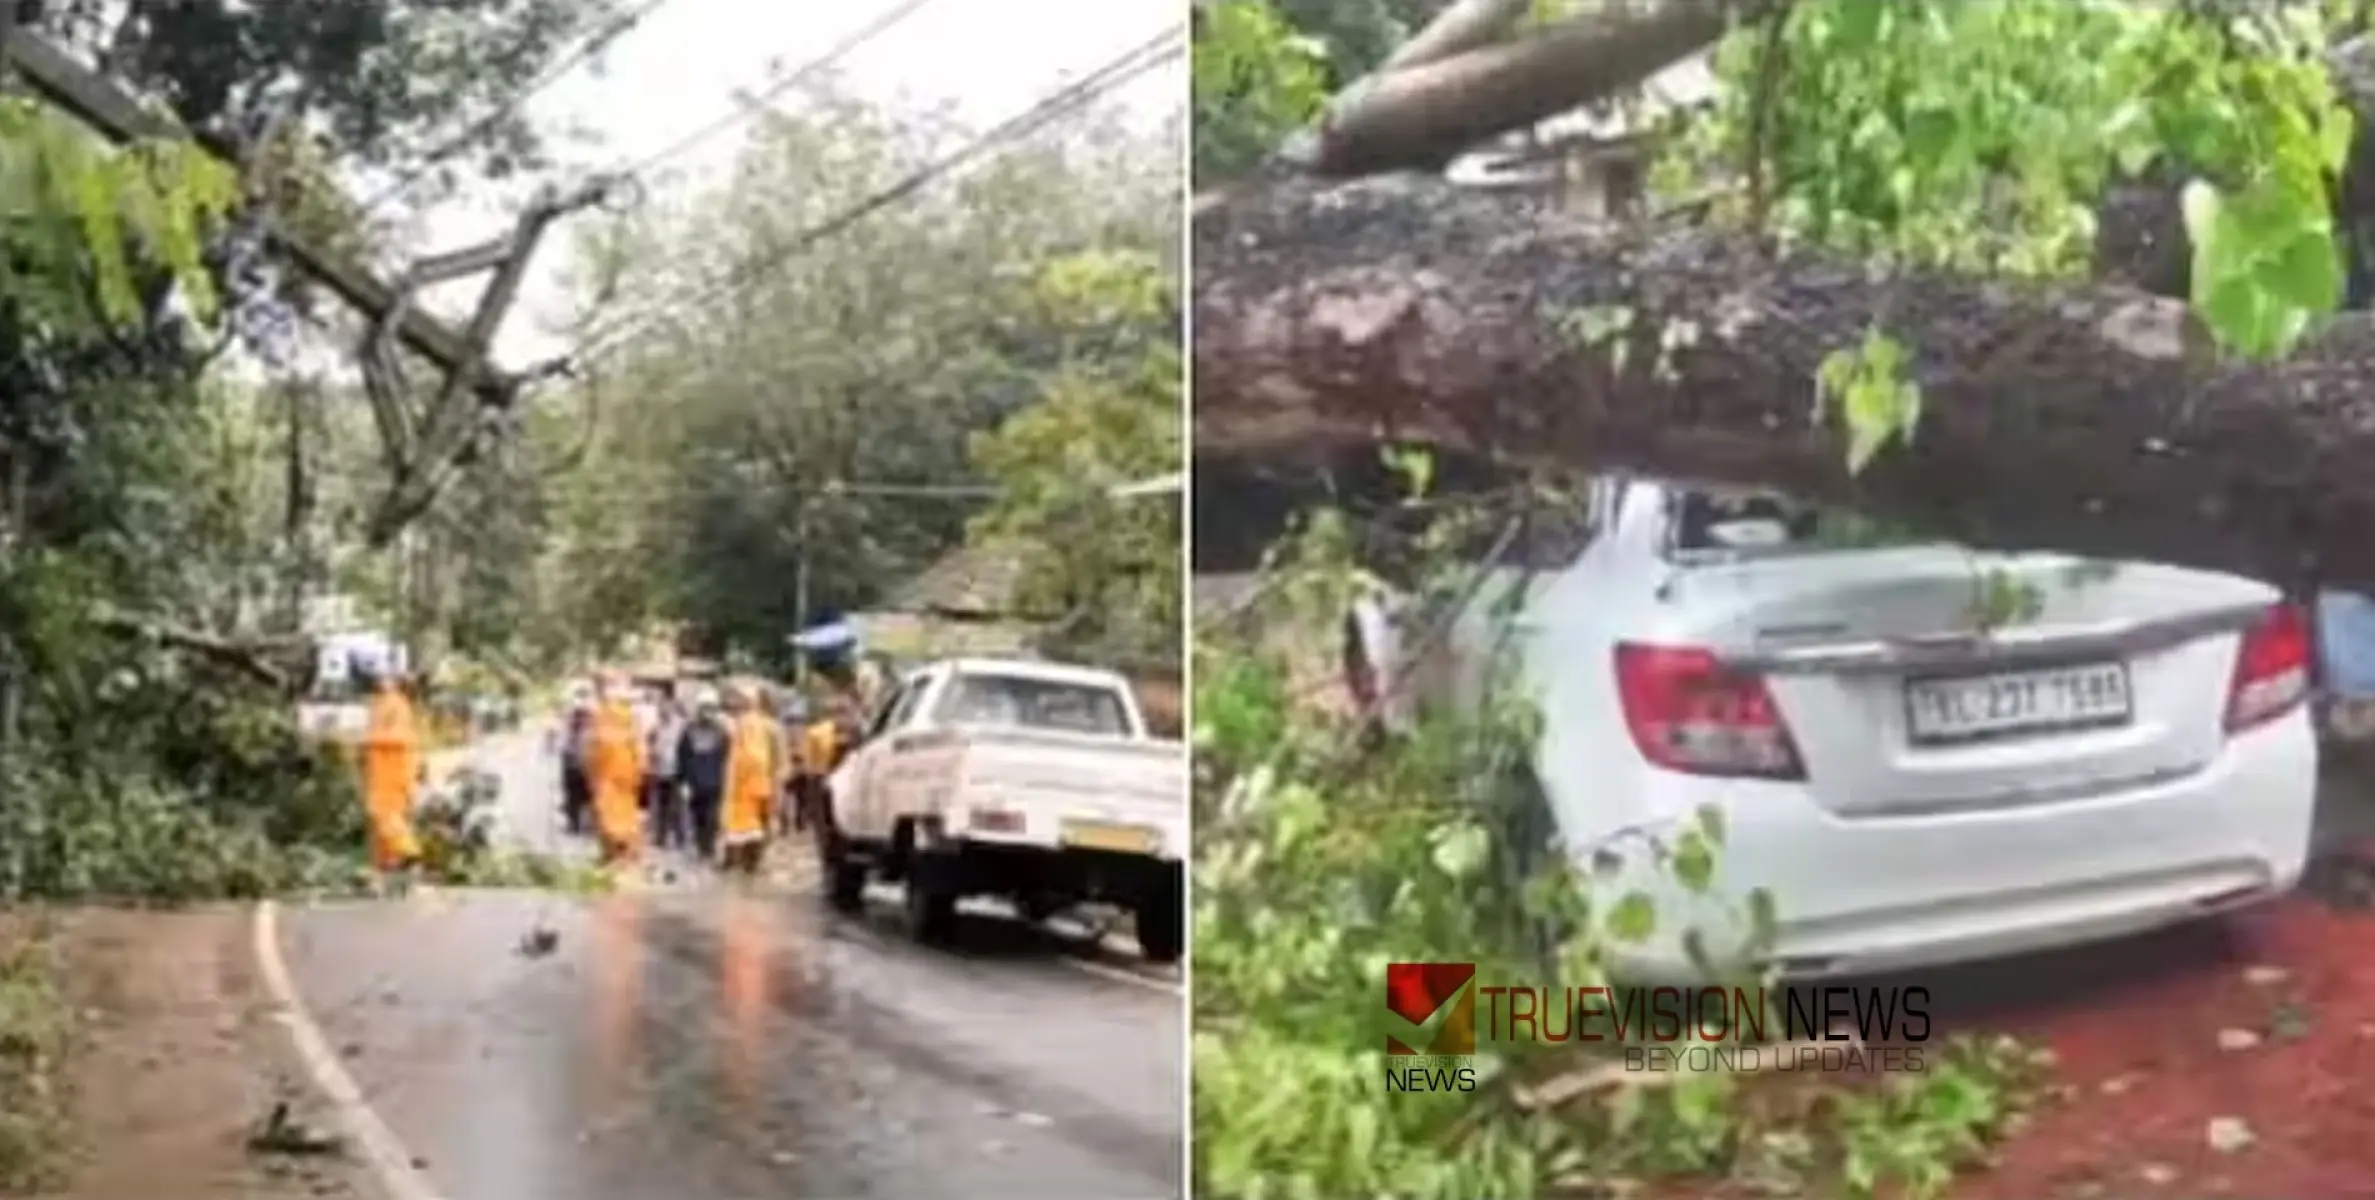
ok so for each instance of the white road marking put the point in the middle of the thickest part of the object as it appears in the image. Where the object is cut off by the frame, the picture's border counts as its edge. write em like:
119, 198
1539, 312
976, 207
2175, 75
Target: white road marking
381, 1149
1152, 983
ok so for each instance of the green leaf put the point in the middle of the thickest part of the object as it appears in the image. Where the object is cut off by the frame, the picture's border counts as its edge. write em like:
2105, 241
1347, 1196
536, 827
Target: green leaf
1712, 823
1460, 850
2307, 271
2235, 308
1858, 23
1694, 862
2336, 134
1634, 919
1764, 919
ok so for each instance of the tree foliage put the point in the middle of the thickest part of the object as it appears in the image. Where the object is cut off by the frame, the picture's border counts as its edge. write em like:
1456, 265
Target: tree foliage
149, 548
1106, 566
124, 770
759, 373
384, 82
1982, 137
1256, 78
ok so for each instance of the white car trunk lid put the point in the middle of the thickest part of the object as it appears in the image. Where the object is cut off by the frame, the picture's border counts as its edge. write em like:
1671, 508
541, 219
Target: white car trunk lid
1931, 679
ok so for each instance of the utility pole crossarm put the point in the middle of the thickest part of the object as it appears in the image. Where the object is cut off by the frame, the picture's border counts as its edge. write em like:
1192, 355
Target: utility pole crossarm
121, 118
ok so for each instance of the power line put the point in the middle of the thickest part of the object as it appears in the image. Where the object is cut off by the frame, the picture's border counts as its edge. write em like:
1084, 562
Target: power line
802, 74
444, 151
1137, 61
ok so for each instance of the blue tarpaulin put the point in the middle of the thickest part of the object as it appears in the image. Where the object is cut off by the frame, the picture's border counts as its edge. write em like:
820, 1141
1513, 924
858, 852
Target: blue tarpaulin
2346, 644
828, 643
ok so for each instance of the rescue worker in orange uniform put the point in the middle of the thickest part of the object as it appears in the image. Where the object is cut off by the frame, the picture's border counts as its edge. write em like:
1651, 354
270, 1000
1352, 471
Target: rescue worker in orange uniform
753, 780
614, 766
392, 770
823, 745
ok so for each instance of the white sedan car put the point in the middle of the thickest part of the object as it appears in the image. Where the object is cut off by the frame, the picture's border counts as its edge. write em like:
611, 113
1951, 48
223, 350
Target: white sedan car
1927, 754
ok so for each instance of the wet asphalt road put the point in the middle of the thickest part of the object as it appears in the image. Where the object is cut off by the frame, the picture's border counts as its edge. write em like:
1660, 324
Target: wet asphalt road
706, 1043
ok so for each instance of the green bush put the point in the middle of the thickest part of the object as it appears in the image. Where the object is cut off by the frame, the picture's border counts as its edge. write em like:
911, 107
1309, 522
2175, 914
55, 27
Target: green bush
129, 837
36, 1026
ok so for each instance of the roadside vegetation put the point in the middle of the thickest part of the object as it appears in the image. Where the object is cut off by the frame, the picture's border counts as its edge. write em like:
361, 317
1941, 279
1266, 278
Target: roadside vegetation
36, 1027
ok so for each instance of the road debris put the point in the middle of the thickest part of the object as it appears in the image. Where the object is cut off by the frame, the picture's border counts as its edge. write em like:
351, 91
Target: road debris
283, 1134
539, 941
2289, 1023
2228, 1134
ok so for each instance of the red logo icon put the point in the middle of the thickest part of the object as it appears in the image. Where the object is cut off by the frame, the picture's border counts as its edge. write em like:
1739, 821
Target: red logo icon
1418, 992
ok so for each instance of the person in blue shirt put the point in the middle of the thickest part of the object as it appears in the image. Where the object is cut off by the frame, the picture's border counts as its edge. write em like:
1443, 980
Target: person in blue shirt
701, 752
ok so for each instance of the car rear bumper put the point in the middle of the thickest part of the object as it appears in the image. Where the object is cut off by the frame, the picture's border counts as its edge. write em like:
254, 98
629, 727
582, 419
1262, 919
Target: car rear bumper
1865, 894
1162, 836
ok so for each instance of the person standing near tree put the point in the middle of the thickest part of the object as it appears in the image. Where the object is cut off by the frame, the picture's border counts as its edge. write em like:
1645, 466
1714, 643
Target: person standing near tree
667, 796
577, 790
772, 705
614, 766
752, 779
392, 770
701, 764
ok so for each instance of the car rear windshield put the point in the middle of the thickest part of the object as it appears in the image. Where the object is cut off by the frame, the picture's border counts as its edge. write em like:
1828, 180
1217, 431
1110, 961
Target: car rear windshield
1734, 524
1016, 702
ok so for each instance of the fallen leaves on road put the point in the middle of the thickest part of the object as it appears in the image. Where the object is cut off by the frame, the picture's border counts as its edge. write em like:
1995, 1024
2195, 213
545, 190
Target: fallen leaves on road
2228, 1134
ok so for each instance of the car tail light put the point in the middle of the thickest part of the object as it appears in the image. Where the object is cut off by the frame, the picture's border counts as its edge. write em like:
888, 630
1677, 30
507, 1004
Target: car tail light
1688, 712
996, 820
2271, 669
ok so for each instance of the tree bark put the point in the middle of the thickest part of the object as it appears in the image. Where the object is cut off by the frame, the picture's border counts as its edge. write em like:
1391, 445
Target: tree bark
2093, 419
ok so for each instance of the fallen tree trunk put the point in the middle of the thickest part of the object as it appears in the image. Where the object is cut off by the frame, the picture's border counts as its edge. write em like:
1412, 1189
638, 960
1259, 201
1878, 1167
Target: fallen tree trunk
2090, 419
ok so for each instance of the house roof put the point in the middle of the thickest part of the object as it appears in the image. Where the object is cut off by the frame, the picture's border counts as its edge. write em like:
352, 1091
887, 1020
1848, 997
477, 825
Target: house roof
970, 581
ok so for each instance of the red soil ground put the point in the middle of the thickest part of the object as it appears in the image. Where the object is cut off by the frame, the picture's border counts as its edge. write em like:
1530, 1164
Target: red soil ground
2138, 1028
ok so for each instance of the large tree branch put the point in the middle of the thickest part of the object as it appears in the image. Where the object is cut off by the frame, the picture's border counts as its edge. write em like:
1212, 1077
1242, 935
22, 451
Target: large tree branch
2089, 419
255, 659
1461, 26
1432, 108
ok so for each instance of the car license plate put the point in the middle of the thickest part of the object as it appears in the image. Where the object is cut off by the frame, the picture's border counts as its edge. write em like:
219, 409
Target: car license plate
1100, 835
1983, 706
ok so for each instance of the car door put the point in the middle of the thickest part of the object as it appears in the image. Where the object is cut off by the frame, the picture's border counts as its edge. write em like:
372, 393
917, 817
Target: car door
870, 778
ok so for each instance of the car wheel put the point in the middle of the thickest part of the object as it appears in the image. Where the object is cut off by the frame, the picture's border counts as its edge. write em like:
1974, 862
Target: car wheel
931, 902
1162, 926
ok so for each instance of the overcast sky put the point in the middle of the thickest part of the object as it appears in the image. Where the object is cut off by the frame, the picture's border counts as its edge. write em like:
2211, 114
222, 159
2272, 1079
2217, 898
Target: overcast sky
681, 67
